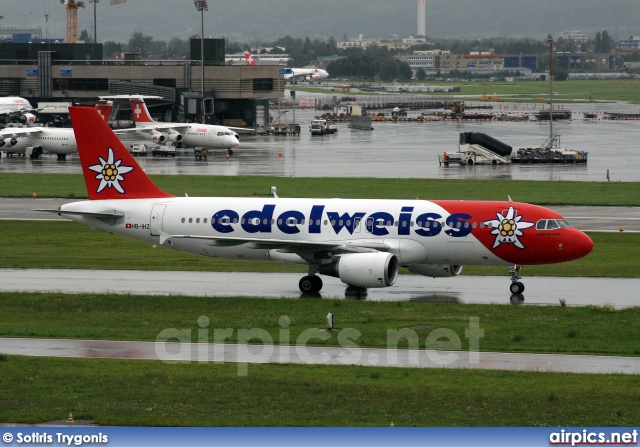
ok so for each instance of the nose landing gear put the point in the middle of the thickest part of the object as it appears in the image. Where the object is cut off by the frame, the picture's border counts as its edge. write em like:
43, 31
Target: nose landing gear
516, 286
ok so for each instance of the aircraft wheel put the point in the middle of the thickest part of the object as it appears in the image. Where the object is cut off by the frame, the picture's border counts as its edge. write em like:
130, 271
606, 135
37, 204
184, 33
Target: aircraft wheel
62, 156
317, 283
516, 287
310, 284
229, 152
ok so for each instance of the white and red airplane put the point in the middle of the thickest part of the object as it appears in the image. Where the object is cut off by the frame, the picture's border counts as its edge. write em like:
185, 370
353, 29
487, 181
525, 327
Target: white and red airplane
294, 74
188, 134
310, 75
33, 141
12, 106
362, 242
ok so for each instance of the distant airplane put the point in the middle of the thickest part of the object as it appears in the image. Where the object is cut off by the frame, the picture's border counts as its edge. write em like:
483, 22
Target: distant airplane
295, 74
15, 106
362, 242
306, 74
33, 141
188, 134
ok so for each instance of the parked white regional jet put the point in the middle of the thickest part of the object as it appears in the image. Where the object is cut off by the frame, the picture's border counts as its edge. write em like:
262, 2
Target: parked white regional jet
15, 105
33, 141
188, 134
362, 242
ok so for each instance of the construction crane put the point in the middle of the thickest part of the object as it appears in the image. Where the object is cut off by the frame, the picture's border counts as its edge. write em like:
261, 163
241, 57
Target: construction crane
72, 19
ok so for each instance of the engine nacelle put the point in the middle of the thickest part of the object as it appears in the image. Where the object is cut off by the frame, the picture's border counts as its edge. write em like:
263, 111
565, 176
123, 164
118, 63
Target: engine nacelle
435, 270
8, 142
174, 136
364, 269
155, 136
26, 118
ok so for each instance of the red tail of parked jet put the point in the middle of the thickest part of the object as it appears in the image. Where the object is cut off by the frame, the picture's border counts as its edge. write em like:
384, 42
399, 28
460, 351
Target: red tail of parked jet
140, 112
249, 58
104, 109
105, 160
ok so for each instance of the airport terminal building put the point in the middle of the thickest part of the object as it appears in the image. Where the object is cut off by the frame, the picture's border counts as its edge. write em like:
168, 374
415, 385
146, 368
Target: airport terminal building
234, 95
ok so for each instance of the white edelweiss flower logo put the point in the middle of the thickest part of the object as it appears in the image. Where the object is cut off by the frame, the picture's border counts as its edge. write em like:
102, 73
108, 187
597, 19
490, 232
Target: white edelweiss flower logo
110, 173
507, 228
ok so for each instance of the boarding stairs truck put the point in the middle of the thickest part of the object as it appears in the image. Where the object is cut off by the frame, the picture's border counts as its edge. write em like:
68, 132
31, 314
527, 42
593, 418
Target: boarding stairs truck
478, 148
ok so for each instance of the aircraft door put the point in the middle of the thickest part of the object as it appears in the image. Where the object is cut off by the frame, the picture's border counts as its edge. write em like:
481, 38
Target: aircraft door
157, 211
357, 223
210, 135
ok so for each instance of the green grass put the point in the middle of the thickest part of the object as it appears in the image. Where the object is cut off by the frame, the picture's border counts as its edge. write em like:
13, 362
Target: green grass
594, 330
541, 193
120, 392
529, 91
68, 245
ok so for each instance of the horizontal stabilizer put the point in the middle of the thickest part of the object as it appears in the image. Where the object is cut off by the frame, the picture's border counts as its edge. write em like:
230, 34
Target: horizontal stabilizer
99, 214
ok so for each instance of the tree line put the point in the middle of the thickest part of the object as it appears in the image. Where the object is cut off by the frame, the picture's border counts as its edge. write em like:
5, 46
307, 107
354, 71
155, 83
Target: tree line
372, 62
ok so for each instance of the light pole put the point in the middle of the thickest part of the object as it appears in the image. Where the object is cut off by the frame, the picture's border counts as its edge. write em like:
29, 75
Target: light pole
95, 21
201, 5
550, 40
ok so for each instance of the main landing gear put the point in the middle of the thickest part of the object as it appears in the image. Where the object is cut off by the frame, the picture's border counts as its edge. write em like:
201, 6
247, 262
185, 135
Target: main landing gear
516, 286
310, 284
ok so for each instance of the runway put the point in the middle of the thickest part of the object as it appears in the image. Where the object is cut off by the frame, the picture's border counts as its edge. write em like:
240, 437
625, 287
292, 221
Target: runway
244, 355
616, 292
586, 218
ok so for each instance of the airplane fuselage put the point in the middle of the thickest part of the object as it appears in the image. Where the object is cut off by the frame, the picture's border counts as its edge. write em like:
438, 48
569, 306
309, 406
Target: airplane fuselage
415, 231
201, 135
52, 140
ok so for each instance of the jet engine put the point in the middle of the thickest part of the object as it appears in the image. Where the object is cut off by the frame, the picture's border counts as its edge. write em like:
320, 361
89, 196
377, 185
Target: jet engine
174, 136
26, 118
8, 142
435, 270
155, 136
364, 269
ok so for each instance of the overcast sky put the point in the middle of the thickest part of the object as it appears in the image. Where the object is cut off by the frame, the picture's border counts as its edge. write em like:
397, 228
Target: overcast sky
247, 20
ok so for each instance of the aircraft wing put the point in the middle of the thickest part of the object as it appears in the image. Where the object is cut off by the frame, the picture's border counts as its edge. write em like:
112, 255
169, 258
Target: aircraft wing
155, 127
305, 249
12, 132
242, 129
14, 111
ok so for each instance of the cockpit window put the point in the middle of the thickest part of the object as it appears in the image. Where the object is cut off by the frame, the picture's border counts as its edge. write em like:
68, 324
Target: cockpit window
551, 224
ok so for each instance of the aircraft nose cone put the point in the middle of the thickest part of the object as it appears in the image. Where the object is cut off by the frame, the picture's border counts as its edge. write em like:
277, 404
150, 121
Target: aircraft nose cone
582, 245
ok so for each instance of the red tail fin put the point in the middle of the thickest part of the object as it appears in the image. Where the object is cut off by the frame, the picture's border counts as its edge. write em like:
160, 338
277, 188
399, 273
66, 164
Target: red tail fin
104, 109
249, 58
140, 112
110, 171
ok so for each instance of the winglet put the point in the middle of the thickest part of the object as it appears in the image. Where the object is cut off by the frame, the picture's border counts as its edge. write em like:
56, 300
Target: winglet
110, 171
